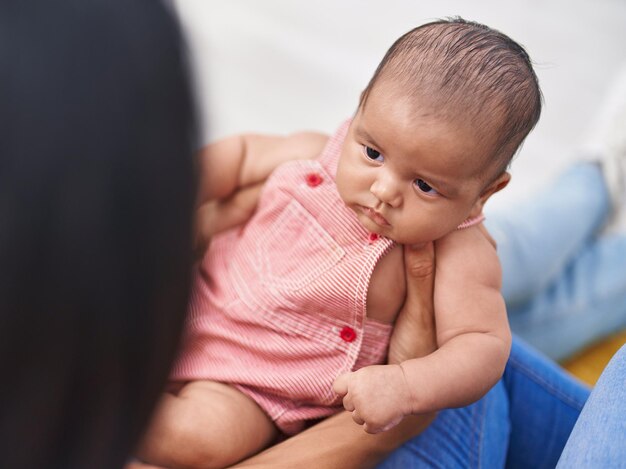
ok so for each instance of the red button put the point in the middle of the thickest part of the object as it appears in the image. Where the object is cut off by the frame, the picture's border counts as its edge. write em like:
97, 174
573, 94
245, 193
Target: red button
373, 237
347, 334
313, 179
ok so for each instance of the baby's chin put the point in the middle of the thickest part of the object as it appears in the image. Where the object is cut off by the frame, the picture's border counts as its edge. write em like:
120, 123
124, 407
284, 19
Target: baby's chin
386, 231
408, 240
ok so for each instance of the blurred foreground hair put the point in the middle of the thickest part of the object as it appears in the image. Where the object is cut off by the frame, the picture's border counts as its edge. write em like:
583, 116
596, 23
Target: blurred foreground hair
96, 195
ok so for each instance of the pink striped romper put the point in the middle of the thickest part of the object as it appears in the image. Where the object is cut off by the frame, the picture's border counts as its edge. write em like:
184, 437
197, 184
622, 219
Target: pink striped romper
278, 308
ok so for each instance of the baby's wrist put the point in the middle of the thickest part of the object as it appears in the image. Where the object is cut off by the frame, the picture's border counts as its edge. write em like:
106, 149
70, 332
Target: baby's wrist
407, 393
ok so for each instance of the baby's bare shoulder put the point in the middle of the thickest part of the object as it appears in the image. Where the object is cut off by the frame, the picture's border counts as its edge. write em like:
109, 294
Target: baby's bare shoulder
469, 253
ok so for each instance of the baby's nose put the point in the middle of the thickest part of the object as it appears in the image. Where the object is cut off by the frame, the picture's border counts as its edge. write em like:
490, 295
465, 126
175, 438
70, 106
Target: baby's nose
387, 192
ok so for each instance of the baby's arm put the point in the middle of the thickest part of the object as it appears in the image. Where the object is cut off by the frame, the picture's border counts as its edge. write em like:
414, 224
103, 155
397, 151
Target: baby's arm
232, 172
472, 334
247, 159
472, 327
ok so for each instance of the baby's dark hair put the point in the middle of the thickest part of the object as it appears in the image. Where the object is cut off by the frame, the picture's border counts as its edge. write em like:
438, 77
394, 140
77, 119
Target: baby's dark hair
465, 70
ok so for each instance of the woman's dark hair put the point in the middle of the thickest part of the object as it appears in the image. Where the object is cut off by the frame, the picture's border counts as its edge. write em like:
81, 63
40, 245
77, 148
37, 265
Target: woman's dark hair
96, 195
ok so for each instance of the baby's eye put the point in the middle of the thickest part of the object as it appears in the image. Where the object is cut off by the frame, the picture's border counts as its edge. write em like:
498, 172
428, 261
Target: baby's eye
373, 154
424, 187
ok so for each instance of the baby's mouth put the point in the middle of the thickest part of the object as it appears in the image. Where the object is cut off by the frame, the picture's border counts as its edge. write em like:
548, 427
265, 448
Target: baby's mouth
374, 216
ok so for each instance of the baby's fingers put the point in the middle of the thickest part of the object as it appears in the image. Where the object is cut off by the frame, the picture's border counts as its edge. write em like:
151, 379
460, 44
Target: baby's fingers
372, 428
340, 386
347, 403
357, 418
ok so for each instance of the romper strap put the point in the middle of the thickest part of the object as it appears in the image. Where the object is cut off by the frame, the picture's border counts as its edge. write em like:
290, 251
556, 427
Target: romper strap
471, 222
330, 155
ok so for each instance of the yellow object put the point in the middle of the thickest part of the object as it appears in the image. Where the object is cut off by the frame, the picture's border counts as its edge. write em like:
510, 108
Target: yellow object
588, 364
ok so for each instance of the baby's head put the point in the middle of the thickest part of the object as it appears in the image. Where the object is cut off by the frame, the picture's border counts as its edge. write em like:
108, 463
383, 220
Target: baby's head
436, 128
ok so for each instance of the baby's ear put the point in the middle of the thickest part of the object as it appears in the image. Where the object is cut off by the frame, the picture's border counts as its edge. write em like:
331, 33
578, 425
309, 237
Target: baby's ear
497, 185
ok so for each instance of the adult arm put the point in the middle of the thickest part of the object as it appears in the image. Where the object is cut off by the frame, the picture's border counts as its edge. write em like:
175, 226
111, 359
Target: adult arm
232, 174
215, 216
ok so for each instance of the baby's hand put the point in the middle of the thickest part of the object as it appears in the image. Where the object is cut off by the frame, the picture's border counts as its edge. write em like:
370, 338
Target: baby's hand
378, 396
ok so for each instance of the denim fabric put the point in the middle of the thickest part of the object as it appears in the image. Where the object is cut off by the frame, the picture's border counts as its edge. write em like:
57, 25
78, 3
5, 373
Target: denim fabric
544, 403
564, 286
599, 437
472, 436
524, 421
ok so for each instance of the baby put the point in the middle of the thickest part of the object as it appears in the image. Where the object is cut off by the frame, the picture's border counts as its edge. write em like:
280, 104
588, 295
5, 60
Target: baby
290, 315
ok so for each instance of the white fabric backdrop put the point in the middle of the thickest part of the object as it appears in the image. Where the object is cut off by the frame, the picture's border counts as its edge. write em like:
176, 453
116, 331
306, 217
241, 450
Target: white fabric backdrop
285, 65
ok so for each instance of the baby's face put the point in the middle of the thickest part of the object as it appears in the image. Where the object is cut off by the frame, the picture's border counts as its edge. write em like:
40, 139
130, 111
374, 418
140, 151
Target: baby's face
410, 176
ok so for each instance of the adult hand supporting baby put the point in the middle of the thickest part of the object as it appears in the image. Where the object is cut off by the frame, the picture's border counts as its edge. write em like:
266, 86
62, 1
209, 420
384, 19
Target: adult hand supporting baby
220, 215
414, 333
337, 441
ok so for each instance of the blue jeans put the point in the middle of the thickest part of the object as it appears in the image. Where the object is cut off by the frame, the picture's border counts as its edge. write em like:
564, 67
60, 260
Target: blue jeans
599, 437
564, 287
524, 421
530, 419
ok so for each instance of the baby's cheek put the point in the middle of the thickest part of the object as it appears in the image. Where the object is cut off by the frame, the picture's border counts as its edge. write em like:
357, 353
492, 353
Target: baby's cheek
417, 233
442, 227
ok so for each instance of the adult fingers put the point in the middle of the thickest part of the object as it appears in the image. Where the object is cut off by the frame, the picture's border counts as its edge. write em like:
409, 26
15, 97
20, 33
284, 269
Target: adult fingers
414, 331
238, 208
219, 215
419, 264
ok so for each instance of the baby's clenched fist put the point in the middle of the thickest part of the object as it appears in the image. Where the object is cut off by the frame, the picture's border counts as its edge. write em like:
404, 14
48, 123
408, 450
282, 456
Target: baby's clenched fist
378, 396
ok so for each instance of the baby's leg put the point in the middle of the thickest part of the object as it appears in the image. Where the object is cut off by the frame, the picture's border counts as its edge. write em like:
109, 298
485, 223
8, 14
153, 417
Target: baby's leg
208, 425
